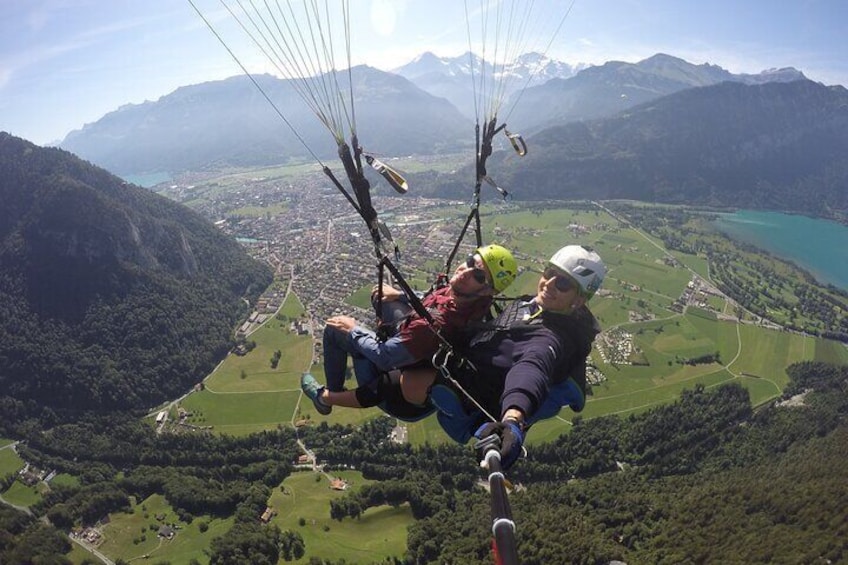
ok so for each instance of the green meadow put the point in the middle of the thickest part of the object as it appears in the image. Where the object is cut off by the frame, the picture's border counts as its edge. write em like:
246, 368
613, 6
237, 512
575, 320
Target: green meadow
78, 555
302, 504
258, 211
22, 495
133, 536
245, 395
65, 480
9, 460
253, 372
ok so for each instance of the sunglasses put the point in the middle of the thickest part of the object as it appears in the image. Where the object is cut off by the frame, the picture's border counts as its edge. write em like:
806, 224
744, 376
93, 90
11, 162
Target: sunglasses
563, 283
478, 273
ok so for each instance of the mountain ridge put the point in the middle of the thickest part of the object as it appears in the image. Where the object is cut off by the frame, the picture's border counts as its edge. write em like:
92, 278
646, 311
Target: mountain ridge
779, 146
616, 86
229, 123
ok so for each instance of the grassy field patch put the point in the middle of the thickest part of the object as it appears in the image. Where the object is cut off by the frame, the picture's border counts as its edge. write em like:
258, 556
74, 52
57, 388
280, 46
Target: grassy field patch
253, 372
65, 480
79, 555
258, 211
10, 462
248, 412
22, 495
380, 532
124, 532
830, 352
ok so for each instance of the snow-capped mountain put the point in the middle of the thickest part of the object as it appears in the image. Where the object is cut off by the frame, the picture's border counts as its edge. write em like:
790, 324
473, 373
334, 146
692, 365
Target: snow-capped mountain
532, 69
454, 78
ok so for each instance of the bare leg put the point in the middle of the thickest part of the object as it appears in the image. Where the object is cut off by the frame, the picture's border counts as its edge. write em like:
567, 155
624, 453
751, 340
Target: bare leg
416, 383
346, 398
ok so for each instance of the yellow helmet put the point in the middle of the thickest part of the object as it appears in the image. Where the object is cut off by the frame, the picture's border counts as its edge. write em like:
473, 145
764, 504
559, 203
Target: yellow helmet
501, 265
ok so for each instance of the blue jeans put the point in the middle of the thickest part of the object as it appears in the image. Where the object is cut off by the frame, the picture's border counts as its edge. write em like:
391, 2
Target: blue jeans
337, 347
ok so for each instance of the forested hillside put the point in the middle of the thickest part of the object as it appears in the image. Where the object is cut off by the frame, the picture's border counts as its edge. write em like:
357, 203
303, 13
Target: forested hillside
111, 297
779, 146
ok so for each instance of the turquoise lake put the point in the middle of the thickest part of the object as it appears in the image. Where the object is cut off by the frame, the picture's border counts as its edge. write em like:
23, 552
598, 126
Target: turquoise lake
819, 246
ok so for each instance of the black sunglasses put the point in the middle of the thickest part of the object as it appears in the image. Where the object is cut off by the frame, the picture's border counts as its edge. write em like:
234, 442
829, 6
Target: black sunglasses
563, 283
478, 273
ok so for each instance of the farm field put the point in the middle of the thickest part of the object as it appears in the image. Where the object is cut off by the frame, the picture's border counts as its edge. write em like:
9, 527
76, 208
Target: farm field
253, 372
245, 395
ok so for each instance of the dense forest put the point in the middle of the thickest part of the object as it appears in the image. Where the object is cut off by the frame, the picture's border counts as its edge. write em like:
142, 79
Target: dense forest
705, 479
111, 297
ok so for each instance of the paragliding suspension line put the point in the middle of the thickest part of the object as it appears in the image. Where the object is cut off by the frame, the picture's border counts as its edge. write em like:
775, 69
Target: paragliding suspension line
484, 150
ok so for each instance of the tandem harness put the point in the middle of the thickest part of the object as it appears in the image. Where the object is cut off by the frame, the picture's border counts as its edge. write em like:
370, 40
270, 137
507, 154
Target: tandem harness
460, 412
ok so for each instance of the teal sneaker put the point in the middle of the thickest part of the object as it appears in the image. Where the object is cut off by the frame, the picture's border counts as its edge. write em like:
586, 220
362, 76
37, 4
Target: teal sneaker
313, 389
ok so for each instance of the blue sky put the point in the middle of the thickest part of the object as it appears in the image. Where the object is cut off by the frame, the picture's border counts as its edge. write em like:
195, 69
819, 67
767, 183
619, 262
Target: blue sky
65, 63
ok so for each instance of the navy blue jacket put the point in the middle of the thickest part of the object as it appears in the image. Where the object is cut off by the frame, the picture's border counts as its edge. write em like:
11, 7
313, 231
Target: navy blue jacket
520, 357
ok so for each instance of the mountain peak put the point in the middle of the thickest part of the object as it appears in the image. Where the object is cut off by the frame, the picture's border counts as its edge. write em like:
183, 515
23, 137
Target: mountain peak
426, 57
663, 58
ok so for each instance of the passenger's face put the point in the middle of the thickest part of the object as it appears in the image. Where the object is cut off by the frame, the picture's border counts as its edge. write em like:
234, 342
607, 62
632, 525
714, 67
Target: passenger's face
471, 276
557, 291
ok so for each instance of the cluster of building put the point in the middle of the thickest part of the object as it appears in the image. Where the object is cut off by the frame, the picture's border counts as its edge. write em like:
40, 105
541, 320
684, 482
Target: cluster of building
616, 346
266, 306
594, 376
165, 422
696, 293
91, 536
322, 248
31, 475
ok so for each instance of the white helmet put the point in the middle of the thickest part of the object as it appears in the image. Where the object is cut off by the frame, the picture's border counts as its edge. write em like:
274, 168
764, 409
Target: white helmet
585, 266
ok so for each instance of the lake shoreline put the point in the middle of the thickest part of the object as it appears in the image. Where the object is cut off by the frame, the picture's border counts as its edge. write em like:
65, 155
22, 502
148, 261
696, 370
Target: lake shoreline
817, 245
